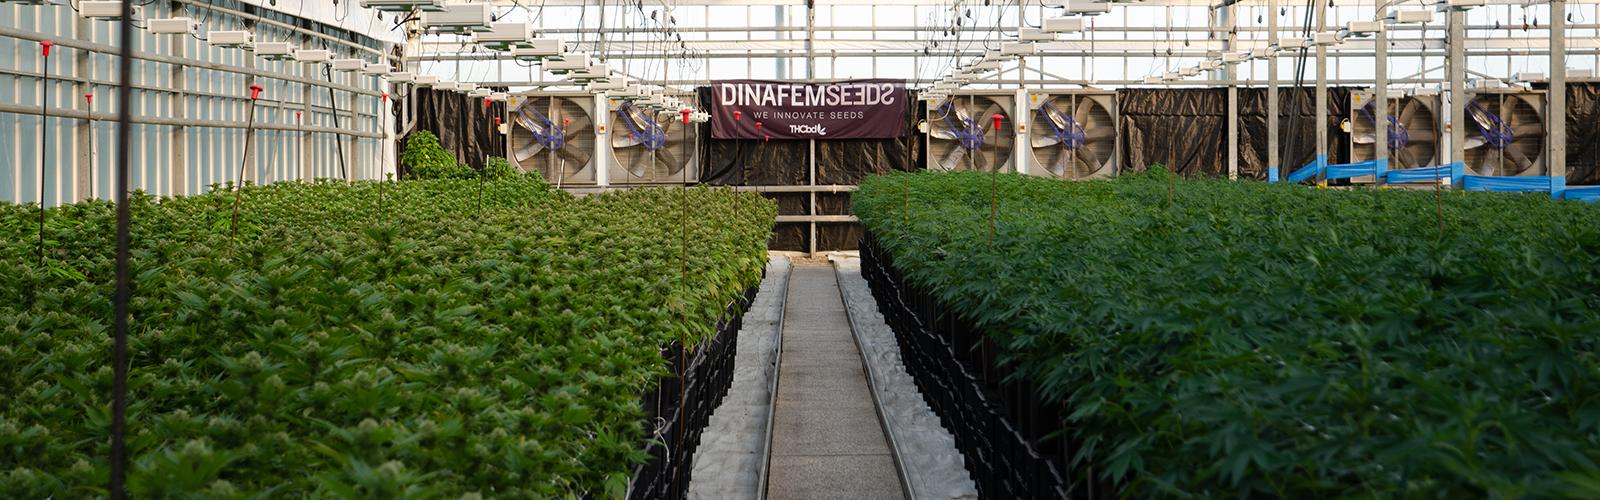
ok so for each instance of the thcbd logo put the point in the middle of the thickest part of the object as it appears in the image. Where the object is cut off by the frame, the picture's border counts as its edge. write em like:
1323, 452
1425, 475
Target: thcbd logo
817, 129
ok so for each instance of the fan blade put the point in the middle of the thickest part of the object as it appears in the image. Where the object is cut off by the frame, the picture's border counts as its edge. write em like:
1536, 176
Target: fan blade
669, 159
1097, 133
1040, 140
1527, 130
985, 123
639, 165
527, 121
525, 152
1520, 160
1474, 142
624, 140
1487, 166
1062, 163
1406, 111
942, 131
1420, 135
1404, 159
1093, 162
953, 160
1365, 138
980, 161
580, 122
1080, 111
573, 157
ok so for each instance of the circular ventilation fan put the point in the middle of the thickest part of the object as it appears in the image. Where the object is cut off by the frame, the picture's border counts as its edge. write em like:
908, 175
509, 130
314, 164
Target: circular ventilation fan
555, 137
961, 133
651, 146
1073, 137
1505, 135
1413, 133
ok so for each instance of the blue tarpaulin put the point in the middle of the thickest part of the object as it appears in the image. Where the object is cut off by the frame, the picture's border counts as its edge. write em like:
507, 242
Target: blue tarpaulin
1590, 194
1515, 184
1453, 171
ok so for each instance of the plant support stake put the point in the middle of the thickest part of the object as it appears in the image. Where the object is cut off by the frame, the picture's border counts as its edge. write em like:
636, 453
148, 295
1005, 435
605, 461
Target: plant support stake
44, 135
249, 133
994, 180
119, 349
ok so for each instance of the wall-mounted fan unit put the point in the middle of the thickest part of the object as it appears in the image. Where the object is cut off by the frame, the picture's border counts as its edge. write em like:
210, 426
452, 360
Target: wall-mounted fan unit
1505, 133
554, 134
1414, 129
651, 146
962, 136
1072, 135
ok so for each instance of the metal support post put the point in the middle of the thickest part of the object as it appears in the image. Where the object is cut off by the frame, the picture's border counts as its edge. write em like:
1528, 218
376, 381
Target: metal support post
1557, 133
1380, 96
1229, 72
1457, 68
1272, 93
1322, 95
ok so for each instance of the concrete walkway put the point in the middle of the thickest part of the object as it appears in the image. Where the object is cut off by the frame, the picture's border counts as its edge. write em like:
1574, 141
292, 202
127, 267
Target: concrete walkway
827, 441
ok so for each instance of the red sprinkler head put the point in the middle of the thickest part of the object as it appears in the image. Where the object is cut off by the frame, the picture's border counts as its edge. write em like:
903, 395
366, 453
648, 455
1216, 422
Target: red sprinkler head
46, 46
736, 114
89, 98
255, 92
385, 97
566, 122
758, 125
766, 138
997, 119
685, 113
487, 101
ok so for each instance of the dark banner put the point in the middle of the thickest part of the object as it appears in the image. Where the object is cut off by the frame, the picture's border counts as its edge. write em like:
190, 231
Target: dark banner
849, 109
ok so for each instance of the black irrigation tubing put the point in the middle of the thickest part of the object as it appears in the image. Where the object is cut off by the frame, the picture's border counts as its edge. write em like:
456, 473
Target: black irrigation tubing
44, 134
333, 104
244, 159
119, 350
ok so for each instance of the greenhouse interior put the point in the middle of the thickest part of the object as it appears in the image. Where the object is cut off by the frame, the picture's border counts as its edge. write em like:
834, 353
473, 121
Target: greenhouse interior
799, 249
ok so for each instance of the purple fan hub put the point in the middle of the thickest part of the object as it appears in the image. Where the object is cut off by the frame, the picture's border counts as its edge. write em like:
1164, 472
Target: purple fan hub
643, 129
1064, 127
1495, 132
968, 132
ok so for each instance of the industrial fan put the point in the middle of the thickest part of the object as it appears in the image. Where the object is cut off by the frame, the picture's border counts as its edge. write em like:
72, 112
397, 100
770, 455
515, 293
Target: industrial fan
651, 147
1505, 134
961, 133
554, 136
1413, 135
1073, 136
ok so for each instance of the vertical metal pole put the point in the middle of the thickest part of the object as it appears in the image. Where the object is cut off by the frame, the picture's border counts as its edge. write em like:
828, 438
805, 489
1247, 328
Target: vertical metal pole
179, 170
83, 177
1322, 95
307, 142
1557, 110
1272, 93
1457, 67
1380, 94
811, 75
1230, 72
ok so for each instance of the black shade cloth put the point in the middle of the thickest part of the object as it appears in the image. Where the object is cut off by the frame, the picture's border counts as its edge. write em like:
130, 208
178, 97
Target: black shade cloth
1186, 129
1583, 133
464, 126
